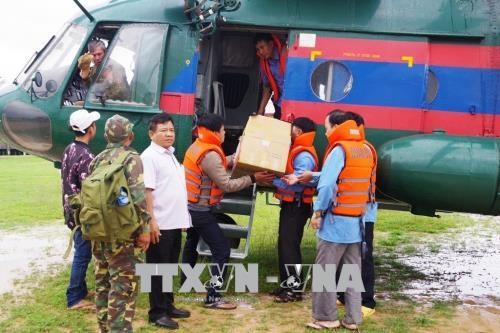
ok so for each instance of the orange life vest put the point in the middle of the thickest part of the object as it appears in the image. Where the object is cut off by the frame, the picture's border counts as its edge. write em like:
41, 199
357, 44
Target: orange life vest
303, 142
354, 184
374, 172
197, 183
266, 69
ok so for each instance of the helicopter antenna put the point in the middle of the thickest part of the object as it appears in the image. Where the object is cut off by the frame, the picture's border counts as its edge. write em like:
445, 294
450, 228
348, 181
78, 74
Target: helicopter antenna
85, 11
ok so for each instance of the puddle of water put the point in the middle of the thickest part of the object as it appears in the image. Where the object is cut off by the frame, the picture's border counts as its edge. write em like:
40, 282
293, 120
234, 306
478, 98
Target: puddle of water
461, 266
32, 250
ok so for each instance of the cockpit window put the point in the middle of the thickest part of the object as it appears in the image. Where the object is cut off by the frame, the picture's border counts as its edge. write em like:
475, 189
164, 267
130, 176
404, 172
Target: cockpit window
130, 74
56, 60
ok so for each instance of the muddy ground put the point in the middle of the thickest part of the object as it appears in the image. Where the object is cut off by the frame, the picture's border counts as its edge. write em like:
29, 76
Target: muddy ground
463, 266
26, 251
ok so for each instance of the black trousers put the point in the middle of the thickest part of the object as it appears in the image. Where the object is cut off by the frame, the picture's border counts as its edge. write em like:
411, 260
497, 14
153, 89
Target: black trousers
277, 111
205, 225
293, 218
367, 271
189, 253
165, 252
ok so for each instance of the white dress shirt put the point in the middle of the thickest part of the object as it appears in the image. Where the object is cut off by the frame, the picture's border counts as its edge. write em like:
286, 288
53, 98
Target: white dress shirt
165, 176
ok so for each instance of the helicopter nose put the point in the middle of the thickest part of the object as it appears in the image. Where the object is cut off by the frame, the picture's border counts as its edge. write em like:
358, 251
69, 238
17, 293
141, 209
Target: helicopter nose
26, 126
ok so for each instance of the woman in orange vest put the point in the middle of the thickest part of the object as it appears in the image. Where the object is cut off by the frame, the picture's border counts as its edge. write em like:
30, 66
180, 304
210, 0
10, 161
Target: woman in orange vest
272, 56
295, 208
207, 179
344, 189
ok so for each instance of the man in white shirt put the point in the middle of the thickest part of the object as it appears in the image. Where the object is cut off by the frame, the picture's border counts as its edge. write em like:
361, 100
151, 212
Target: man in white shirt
166, 199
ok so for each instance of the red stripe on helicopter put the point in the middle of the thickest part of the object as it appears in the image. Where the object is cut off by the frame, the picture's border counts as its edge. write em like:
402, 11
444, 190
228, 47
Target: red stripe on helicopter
477, 56
177, 103
397, 118
375, 50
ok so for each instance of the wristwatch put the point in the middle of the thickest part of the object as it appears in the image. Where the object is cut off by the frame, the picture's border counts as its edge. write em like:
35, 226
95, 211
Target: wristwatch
318, 214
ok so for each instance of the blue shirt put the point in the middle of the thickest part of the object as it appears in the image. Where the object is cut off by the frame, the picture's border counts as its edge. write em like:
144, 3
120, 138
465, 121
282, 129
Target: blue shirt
371, 208
334, 228
315, 178
274, 65
371, 212
304, 161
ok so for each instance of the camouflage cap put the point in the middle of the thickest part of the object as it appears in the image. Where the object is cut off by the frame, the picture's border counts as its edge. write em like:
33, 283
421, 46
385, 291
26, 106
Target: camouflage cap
117, 128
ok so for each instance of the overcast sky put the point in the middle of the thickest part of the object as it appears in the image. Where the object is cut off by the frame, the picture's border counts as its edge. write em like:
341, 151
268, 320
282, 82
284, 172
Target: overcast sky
26, 25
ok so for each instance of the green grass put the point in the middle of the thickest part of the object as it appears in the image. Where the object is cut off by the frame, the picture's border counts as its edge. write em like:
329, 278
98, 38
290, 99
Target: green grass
424, 321
30, 192
396, 229
44, 309
442, 307
402, 223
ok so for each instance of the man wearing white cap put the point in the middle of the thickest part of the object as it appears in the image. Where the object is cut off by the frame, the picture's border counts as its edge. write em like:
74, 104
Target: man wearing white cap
74, 169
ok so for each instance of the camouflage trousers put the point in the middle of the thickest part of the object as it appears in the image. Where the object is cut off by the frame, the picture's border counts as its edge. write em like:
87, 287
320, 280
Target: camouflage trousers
116, 285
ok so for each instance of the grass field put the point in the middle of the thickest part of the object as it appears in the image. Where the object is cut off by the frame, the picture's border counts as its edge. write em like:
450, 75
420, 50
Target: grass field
30, 194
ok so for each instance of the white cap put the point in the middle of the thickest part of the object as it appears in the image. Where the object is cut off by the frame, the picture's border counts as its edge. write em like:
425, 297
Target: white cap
81, 120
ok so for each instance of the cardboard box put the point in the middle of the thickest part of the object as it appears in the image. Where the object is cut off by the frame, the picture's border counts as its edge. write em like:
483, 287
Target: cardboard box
264, 146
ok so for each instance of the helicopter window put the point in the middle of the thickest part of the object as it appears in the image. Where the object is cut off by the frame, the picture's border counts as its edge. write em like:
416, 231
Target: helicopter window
55, 65
78, 86
130, 74
432, 87
331, 81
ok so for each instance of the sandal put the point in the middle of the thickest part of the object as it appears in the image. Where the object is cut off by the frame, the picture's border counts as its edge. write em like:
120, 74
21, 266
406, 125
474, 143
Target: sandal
276, 291
83, 305
221, 305
350, 327
320, 324
367, 312
90, 296
288, 295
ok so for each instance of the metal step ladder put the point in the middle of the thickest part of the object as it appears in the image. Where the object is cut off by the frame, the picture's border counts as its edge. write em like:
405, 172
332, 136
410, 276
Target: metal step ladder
239, 203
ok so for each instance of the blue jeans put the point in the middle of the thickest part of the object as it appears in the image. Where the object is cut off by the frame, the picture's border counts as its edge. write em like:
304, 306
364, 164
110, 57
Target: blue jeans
77, 289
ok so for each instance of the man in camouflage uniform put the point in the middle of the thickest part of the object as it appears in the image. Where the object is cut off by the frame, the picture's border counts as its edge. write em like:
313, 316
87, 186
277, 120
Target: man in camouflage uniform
116, 283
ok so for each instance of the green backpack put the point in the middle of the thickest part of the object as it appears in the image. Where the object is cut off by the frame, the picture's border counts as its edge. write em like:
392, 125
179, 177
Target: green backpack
104, 209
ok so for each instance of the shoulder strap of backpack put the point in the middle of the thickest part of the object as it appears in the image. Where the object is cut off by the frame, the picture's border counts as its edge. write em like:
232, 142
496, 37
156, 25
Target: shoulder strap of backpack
122, 157
119, 162
70, 245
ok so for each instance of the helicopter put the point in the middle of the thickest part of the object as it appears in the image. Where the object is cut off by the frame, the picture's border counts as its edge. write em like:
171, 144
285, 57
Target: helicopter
425, 75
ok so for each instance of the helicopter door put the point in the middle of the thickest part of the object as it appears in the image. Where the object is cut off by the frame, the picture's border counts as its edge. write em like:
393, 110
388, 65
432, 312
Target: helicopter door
380, 77
457, 85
